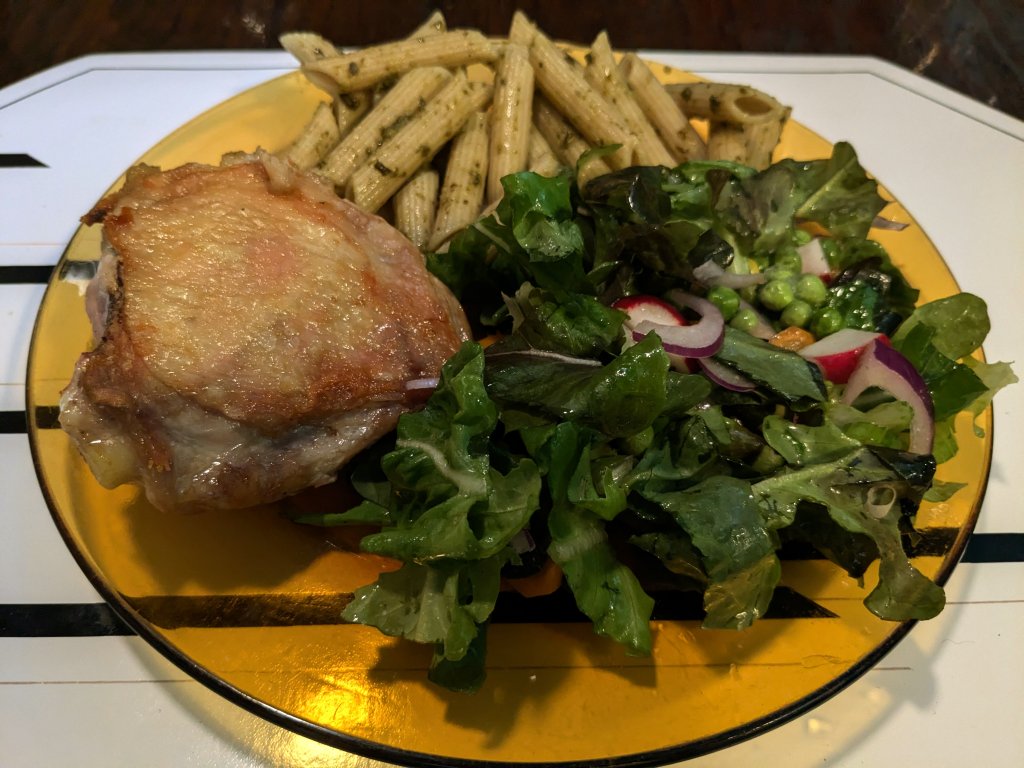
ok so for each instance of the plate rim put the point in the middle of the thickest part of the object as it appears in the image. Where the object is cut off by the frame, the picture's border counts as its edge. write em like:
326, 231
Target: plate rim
396, 755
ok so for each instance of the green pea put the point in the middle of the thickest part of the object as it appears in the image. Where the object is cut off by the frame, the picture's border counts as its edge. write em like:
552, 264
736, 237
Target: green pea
825, 321
744, 320
787, 259
802, 236
811, 289
776, 294
748, 293
797, 313
726, 299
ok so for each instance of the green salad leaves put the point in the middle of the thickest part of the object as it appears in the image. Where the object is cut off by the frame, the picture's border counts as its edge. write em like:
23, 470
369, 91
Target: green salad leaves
606, 454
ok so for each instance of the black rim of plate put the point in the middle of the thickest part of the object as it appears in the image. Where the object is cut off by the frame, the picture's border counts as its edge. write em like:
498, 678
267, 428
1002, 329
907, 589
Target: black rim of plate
398, 756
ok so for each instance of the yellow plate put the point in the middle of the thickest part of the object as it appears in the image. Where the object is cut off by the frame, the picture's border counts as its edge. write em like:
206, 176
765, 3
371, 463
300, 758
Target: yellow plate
249, 603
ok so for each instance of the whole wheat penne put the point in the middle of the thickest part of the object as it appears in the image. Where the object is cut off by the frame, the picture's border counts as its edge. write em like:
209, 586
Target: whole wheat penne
671, 123
726, 103
512, 113
363, 68
521, 30
602, 71
309, 47
568, 90
416, 206
566, 141
542, 159
399, 105
417, 142
349, 109
318, 138
462, 193
750, 144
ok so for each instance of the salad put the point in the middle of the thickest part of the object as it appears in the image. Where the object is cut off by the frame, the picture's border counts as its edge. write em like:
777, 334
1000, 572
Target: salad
683, 370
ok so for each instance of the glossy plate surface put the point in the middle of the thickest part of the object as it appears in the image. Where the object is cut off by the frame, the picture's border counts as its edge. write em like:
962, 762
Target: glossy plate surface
248, 602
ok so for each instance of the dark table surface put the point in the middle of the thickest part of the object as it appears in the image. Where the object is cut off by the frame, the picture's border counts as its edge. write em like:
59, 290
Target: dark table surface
975, 47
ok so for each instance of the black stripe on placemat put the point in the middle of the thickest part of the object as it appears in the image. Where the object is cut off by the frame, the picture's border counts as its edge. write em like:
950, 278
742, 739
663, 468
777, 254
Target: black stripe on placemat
995, 548
16, 422
19, 160
61, 620
12, 274
270, 610
13, 422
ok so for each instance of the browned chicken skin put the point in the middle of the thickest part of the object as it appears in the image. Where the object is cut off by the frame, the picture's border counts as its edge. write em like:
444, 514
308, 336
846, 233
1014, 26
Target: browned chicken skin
254, 332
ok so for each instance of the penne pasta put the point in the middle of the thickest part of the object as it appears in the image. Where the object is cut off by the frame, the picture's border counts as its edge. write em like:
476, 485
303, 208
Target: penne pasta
349, 109
416, 206
511, 116
317, 139
671, 123
568, 90
542, 158
462, 194
521, 30
722, 102
309, 47
398, 107
416, 142
366, 67
566, 141
603, 73
750, 144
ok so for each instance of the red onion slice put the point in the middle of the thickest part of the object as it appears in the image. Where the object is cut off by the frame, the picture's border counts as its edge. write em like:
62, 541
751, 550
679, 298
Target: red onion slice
701, 339
883, 223
711, 274
724, 376
883, 367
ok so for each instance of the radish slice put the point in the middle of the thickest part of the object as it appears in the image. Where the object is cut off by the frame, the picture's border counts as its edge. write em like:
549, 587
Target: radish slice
838, 353
648, 308
813, 261
882, 366
724, 376
711, 274
702, 339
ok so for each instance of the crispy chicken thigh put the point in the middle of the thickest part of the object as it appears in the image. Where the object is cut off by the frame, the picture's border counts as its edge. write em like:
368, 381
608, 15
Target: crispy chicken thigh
253, 332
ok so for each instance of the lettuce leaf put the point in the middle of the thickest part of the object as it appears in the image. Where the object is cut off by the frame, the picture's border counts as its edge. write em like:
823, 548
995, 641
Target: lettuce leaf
841, 487
722, 519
